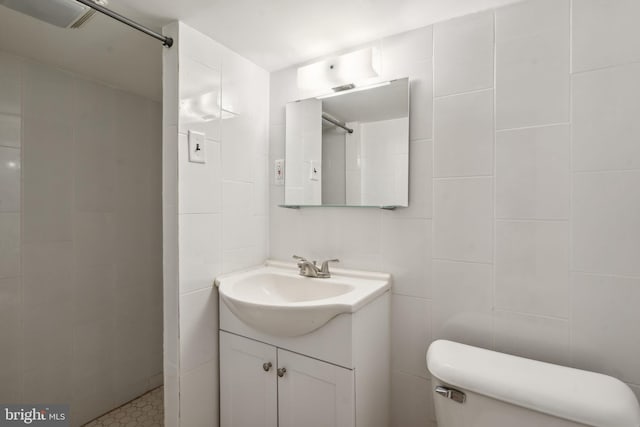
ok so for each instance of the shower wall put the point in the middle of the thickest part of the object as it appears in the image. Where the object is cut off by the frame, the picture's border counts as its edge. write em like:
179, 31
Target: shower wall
80, 241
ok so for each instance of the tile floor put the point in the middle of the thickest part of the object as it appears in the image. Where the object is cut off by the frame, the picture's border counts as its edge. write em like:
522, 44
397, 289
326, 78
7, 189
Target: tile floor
147, 411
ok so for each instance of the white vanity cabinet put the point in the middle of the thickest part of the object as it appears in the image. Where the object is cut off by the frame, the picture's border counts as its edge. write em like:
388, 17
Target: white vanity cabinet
264, 386
322, 362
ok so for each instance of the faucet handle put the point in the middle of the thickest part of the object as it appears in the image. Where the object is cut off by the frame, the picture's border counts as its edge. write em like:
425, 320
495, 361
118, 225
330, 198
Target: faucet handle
325, 265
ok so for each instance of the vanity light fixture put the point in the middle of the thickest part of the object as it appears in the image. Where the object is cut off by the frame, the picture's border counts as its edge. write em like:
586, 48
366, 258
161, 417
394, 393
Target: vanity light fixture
354, 89
350, 68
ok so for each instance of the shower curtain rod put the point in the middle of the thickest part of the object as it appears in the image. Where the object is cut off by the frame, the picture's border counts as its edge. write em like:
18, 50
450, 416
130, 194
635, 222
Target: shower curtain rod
166, 41
331, 120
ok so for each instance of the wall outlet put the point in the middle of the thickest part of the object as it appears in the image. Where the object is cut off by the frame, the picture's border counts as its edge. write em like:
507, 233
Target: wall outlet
197, 145
278, 170
314, 170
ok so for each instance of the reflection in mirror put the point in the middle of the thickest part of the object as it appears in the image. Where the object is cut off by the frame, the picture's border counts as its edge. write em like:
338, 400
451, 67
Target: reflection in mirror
349, 148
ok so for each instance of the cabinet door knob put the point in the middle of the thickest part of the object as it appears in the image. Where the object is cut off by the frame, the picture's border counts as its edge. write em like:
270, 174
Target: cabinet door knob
281, 372
266, 366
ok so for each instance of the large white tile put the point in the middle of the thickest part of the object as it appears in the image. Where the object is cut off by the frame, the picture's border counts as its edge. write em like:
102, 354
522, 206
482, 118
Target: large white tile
198, 329
605, 33
463, 135
532, 64
605, 330
200, 185
10, 130
463, 219
462, 302
94, 238
539, 338
411, 400
11, 352
421, 100
463, 54
199, 396
93, 293
532, 267
10, 165
400, 50
361, 234
406, 254
420, 182
533, 172
10, 244
238, 222
605, 129
410, 334
47, 179
605, 226
200, 251
47, 274
10, 84
47, 94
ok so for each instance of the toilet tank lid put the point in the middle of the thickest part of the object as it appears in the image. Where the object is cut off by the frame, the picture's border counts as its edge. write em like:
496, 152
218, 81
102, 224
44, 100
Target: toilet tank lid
573, 394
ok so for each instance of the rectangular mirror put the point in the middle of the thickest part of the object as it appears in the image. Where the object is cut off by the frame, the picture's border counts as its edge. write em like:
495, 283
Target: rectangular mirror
349, 148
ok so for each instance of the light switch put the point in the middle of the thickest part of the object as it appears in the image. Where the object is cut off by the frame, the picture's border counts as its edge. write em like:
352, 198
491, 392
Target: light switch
278, 170
314, 170
197, 147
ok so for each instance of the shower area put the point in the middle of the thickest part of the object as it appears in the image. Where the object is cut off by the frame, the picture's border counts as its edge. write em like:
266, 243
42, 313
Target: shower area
80, 218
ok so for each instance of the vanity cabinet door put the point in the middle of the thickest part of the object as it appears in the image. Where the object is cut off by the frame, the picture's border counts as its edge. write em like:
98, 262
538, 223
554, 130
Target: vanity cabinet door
248, 383
312, 393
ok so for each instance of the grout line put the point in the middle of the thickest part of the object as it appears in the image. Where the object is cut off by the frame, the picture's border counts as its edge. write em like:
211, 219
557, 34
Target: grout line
462, 261
571, 202
613, 276
487, 89
530, 314
494, 186
536, 220
546, 125
440, 178
604, 68
599, 171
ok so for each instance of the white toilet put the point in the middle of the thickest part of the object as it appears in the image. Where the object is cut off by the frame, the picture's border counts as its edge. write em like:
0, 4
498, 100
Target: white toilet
474, 387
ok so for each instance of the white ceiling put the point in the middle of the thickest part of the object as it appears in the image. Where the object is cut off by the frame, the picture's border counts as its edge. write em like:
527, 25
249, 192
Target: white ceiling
272, 33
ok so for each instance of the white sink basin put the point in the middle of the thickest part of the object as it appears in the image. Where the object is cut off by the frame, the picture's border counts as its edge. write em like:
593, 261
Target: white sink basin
276, 300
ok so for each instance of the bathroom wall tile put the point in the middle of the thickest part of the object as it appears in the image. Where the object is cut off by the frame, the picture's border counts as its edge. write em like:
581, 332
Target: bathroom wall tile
532, 267
420, 99
47, 179
285, 227
399, 49
533, 173
200, 251
406, 253
198, 329
462, 302
9, 179
198, 48
10, 84
94, 238
94, 160
605, 33
238, 222
199, 396
411, 400
47, 94
200, 86
92, 355
604, 328
463, 219
463, 54
410, 334
47, 275
605, 227
532, 64
48, 383
361, 234
11, 352
10, 130
420, 182
540, 338
464, 150
10, 245
200, 184
604, 102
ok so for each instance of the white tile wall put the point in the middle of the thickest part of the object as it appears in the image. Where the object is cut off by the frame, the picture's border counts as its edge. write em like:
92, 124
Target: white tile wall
556, 196
80, 315
532, 64
215, 214
463, 135
463, 54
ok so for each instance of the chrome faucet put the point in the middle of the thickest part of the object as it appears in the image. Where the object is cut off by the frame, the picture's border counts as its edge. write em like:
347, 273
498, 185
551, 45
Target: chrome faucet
311, 269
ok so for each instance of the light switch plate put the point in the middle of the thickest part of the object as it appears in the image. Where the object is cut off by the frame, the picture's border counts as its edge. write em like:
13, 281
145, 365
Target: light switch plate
314, 170
197, 146
278, 171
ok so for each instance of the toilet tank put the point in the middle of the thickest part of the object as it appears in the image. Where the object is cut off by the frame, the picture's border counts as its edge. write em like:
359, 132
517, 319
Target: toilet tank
474, 387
